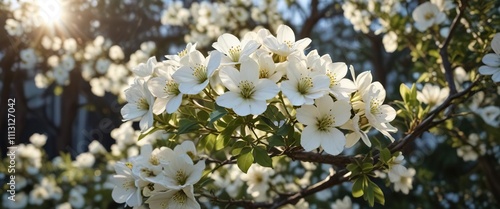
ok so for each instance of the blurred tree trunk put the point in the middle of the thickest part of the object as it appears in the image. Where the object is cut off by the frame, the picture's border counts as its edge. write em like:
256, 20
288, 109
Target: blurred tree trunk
69, 109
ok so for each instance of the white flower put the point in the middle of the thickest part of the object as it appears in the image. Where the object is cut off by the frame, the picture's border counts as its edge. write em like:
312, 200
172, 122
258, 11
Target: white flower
76, 198
405, 180
196, 71
28, 58
13, 27
176, 59
166, 89
340, 87
65, 205
321, 122
353, 137
116, 53
268, 69
85, 160
187, 149
345, 203
257, 179
21, 201
140, 104
181, 173
125, 190
492, 60
182, 198
38, 139
284, 43
96, 147
102, 65
433, 95
38, 195
234, 50
231, 182
378, 114
303, 86
490, 115
427, 15
145, 69
147, 165
444, 5
390, 41
247, 93
70, 45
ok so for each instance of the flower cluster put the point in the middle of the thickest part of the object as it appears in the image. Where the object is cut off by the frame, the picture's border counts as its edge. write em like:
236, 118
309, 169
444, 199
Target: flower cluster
492, 60
208, 20
164, 177
400, 176
60, 183
100, 63
248, 75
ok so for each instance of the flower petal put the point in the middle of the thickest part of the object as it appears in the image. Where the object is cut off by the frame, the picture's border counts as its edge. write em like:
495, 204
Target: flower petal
333, 143
310, 139
492, 60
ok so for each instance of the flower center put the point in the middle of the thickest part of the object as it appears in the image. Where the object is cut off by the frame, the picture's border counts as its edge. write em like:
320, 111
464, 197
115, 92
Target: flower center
263, 73
405, 180
142, 104
325, 123
180, 197
172, 88
181, 177
147, 172
258, 178
129, 184
234, 53
305, 83
154, 160
200, 73
374, 104
247, 89
129, 165
279, 58
182, 53
289, 44
333, 78
428, 16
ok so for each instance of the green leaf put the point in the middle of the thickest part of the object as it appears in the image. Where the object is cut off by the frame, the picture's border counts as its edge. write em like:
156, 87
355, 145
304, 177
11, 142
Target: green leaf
357, 188
218, 113
262, 157
379, 195
367, 167
284, 130
245, 159
208, 142
276, 140
354, 168
369, 195
187, 125
224, 136
404, 91
385, 155
142, 135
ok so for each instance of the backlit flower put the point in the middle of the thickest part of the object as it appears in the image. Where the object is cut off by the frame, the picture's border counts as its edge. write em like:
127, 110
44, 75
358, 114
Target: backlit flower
378, 114
492, 61
433, 95
284, 43
247, 93
321, 123
140, 104
196, 71
427, 15
182, 198
303, 86
166, 90
234, 49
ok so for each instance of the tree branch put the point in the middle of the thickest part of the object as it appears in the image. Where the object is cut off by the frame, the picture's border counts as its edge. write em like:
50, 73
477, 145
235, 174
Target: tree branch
443, 49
